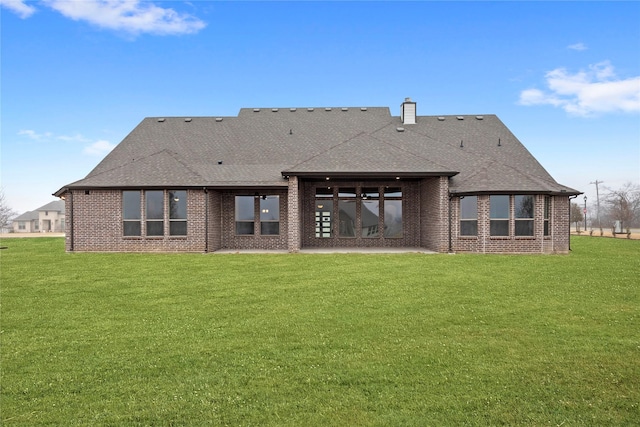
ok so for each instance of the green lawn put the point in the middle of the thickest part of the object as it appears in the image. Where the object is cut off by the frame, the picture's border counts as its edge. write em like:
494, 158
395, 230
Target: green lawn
322, 339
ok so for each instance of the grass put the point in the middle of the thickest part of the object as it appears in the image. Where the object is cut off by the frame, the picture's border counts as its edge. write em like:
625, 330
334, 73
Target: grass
331, 339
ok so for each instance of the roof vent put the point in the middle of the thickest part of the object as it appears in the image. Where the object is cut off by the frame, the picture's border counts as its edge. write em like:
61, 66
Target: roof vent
400, 129
363, 108
408, 112
219, 162
327, 109
460, 118
479, 117
188, 120
309, 109
218, 119
344, 109
441, 119
275, 110
256, 110
292, 109
161, 120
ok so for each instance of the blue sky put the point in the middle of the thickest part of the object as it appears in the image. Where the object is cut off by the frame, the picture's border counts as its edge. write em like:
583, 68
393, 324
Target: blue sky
78, 76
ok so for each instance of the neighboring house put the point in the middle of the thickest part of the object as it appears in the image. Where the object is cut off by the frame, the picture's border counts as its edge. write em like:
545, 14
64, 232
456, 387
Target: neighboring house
296, 178
47, 218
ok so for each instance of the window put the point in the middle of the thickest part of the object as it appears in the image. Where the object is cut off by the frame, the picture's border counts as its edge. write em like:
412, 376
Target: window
245, 214
21, 226
547, 215
347, 212
392, 212
524, 208
469, 216
154, 201
499, 215
270, 215
370, 212
131, 213
324, 212
177, 213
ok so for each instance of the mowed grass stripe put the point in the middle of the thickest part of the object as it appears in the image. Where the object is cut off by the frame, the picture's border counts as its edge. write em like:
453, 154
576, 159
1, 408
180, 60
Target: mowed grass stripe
322, 339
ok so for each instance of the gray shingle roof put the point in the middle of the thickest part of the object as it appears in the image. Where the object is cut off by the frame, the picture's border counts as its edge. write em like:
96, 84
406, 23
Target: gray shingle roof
259, 146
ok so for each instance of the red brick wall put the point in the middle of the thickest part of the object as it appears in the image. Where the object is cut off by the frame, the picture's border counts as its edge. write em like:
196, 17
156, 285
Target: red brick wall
94, 221
556, 242
97, 225
229, 238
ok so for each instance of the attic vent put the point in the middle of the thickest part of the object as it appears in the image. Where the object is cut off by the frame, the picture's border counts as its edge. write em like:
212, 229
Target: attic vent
363, 108
400, 129
292, 109
460, 118
441, 119
161, 120
327, 109
256, 110
218, 119
188, 120
309, 109
344, 109
275, 110
479, 117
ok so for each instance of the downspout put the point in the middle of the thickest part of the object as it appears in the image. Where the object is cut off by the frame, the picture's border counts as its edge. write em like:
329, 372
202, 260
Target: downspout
569, 229
206, 220
450, 214
71, 222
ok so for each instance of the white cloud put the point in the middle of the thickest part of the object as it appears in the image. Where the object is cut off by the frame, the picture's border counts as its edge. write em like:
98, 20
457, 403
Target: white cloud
594, 91
34, 135
131, 16
98, 148
19, 7
577, 46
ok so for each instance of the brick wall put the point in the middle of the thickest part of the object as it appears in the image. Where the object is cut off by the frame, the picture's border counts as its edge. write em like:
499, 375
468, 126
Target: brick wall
232, 241
95, 222
97, 225
556, 242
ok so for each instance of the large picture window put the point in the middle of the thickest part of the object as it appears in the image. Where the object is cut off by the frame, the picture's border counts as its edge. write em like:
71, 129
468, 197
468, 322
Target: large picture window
270, 215
499, 215
469, 216
370, 212
178, 213
524, 208
347, 212
131, 213
154, 202
392, 212
245, 215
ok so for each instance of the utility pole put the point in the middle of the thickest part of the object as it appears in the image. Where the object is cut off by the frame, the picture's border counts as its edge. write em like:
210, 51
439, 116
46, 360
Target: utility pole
596, 182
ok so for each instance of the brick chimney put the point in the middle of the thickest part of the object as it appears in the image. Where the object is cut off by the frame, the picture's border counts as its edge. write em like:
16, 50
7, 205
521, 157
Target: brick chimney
408, 112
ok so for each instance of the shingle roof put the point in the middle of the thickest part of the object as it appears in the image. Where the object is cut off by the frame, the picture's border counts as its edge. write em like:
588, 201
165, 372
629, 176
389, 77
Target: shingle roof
259, 146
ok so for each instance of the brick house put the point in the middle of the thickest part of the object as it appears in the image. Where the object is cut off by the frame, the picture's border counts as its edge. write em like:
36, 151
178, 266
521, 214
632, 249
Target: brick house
297, 178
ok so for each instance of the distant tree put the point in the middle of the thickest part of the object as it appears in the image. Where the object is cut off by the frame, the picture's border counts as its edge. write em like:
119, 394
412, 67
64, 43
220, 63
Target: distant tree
6, 213
624, 204
576, 214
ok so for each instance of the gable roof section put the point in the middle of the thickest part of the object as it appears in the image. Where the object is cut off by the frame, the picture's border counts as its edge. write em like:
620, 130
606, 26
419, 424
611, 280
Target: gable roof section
365, 154
259, 146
